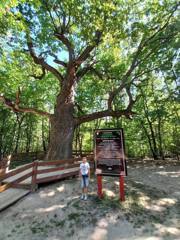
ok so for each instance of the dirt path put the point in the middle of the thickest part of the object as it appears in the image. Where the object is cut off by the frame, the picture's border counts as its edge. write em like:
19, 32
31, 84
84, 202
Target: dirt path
151, 210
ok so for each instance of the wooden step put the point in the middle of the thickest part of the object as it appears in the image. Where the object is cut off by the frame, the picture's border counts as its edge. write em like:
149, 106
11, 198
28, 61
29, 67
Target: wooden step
10, 196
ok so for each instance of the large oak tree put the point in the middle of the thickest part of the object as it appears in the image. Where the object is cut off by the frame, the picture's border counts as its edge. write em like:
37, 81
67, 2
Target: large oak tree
71, 40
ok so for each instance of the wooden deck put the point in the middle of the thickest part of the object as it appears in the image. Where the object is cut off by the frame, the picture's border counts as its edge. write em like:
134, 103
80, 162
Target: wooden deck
11, 196
17, 183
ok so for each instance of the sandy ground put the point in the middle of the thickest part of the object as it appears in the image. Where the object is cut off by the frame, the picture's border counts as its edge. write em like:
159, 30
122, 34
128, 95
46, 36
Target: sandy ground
151, 210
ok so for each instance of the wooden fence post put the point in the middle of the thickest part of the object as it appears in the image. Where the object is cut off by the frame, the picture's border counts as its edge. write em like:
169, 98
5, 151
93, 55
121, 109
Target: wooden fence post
34, 176
4, 166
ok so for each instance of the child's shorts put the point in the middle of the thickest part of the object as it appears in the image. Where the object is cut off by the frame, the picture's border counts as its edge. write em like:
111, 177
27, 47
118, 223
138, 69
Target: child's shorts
84, 181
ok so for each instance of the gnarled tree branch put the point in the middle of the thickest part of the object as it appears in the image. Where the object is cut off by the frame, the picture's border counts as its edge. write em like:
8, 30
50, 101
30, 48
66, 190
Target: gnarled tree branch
40, 61
105, 113
14, 106
56, 60
67, 43
85, 54
109, 112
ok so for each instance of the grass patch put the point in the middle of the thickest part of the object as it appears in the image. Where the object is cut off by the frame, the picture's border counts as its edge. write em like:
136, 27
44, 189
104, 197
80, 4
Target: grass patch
60, 223
57, 223
76, 205
134, 208
111, 203
38, 229
74, 216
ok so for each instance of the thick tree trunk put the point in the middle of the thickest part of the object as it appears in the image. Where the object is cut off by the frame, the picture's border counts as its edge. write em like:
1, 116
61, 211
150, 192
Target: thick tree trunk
62, 131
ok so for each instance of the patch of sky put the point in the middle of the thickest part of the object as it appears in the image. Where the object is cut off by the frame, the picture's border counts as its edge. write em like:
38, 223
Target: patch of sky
62, 55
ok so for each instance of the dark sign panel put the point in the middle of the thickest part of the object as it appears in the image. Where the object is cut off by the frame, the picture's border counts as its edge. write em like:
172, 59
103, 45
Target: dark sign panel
109, 152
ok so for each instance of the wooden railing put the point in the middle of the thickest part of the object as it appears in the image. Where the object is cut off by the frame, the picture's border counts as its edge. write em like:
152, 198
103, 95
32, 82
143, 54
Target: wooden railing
23, 158
15, 183
35, 171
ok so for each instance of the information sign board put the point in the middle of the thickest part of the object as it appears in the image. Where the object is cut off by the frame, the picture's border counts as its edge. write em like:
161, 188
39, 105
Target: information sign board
110, 152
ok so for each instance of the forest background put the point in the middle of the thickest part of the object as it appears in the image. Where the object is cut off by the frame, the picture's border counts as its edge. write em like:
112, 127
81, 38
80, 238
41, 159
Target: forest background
134, 57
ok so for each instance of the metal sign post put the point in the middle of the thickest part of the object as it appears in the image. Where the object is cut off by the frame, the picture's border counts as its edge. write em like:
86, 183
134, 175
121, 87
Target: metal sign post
99, 184
121, 188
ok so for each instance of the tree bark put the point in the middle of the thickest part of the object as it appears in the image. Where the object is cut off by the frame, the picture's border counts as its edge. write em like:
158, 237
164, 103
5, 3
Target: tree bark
62, 132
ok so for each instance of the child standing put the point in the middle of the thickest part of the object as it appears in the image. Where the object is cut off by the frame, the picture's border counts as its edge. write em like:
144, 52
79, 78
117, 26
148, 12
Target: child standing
85, 176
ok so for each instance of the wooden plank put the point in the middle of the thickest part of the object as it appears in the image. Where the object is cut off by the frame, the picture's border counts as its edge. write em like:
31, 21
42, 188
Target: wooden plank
21, 185
8, 185
57, 168
48, 170
11, 196
57, 177
16, 171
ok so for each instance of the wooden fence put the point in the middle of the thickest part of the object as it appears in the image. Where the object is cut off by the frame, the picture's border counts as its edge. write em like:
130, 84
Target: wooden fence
16, 160
35, 170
